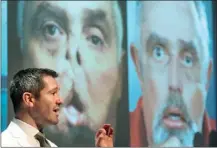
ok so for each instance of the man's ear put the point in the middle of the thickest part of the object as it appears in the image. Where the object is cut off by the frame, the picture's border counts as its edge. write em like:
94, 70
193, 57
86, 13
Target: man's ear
134, 55
28, 99
209, 72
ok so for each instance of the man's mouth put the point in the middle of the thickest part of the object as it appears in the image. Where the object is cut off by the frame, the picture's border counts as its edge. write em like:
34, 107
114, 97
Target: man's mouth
174, 119
56, 110
74, 111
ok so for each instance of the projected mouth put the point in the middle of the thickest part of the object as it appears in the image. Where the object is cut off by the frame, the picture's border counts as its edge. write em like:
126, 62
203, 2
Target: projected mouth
77, 103
174, 119
74, 111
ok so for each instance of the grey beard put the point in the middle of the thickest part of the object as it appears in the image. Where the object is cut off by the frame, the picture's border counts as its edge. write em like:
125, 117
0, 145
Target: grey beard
162, 133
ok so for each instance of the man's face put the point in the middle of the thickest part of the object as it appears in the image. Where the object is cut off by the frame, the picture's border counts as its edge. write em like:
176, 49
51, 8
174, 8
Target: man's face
47, 106
76, 39
170, 70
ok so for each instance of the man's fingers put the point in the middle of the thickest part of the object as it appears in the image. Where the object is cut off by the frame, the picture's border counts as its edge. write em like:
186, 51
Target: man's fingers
104, 141
100, 137
103, 131
98, 133
111, 131
107, 127
98, 140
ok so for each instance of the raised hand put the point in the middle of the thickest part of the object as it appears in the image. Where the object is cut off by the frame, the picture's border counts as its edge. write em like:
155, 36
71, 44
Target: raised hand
104, 136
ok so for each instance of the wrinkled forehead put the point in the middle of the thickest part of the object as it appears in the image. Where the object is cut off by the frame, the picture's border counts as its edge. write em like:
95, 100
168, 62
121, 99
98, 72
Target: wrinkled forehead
71, 8
177, 23
153, 5
172, 19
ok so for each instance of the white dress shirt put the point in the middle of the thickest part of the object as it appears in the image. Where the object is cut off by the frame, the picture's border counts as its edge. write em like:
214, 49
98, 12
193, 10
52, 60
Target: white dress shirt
21, 134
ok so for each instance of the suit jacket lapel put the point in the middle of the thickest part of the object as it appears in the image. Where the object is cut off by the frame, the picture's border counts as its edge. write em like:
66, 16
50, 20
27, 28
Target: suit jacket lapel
19, 135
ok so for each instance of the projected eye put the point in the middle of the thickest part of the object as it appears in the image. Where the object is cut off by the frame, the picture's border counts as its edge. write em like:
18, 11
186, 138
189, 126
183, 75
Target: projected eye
52, 36
158, 52
187, 60
51, 31
95, 38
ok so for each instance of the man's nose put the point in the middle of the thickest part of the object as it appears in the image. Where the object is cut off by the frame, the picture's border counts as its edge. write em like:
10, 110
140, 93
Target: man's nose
174, 75
73, 54
59, 101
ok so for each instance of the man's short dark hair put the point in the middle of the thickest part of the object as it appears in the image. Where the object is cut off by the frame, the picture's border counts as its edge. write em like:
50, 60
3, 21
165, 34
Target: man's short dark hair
28, 80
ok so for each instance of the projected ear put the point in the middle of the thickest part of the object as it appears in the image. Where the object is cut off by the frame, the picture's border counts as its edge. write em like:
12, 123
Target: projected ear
209, 72
134, 55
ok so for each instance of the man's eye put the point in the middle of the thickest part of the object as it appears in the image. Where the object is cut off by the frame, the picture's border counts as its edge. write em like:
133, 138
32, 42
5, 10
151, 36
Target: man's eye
95, 40
158, 52
51, 31
187, 60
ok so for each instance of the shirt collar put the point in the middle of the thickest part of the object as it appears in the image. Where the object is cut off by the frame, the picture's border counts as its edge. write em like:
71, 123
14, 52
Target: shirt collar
28, 129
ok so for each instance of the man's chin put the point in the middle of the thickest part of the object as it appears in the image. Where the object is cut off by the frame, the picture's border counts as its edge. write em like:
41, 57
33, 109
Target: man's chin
49, 123
162, 134
55, 122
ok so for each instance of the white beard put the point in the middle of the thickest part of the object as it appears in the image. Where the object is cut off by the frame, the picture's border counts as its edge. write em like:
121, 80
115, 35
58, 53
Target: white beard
186, 136
161, 133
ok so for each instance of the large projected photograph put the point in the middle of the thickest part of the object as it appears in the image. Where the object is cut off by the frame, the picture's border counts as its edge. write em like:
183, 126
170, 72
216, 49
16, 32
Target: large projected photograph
83, 42
108, 73
171, 85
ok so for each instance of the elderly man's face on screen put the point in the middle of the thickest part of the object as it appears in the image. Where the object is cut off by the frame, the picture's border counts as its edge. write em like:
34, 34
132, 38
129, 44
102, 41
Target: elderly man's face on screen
78, 40
173, 66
